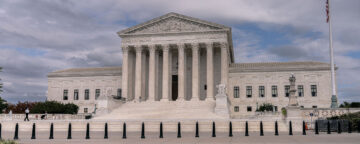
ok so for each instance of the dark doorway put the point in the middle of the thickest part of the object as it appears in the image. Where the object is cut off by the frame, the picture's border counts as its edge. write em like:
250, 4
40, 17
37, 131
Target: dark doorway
174, 92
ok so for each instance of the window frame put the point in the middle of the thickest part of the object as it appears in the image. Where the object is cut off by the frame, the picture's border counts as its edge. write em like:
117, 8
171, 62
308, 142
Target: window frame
300, 93
86, 110
236, 109
236, 92
313, 90
66, 94
287, 90
249, 109
97, 93
86, 94
248, 91
76, 94
274, 91
261, 91
119, 91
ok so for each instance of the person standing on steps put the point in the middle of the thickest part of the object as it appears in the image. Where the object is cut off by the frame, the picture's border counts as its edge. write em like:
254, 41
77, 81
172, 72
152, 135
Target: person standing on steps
27, 114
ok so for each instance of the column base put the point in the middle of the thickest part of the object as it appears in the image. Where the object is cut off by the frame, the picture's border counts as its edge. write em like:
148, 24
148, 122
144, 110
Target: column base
164, 100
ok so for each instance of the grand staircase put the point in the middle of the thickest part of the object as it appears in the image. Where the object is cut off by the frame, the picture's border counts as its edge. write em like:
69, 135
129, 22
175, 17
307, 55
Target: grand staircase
163, 110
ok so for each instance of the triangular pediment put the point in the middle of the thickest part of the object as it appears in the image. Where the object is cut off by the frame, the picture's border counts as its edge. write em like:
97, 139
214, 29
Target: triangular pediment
173, 22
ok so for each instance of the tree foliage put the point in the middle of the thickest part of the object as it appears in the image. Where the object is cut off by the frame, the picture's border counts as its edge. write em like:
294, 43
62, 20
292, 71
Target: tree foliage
266, 107
51, 107
350, 105
3, 105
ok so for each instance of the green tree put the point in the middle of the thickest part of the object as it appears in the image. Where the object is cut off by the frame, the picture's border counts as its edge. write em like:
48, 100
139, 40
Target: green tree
266, 107
0, 82
3, 105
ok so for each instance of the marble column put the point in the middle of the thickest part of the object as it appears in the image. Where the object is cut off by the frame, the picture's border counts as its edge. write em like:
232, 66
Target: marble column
209, 71
181, 72
152, 75
195, 72
125, 75
224, 63
138, 75
166, 73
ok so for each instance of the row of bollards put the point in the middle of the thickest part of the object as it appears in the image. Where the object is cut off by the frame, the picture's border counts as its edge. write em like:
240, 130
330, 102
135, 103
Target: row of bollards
69, 136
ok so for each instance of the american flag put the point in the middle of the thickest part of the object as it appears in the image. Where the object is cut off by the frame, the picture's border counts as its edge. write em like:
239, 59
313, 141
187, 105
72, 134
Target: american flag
327, 11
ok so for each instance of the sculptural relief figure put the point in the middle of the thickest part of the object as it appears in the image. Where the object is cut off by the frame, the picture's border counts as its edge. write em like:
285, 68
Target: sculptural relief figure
221, 89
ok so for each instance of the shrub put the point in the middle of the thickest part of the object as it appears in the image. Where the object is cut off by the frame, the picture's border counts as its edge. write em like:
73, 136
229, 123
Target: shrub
54, 107
20, 107
3, 105
283, 111
266, 107
354, 118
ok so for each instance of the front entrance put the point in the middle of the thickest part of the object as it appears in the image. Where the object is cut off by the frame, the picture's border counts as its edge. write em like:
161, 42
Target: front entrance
174, 91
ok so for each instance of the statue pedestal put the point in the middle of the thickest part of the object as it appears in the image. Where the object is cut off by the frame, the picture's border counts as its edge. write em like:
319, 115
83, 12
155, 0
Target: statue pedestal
221, 105
293, 113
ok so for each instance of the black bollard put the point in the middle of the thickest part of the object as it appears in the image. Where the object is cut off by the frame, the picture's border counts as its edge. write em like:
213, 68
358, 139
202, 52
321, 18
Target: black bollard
350, 127
106, 131
358, 127
124, 131
303, 128
261, 129
276, 129
197, 130
69, 132
246, 129
16, 135
51, 131
316, 127
179, 131
143, 130
161, 130
0, 131
87, 131
328, 127
33, 132
213, 130
339, 127
290, 128
230, 129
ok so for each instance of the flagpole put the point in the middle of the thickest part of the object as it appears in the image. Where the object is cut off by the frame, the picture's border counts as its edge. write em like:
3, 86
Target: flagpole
333, 97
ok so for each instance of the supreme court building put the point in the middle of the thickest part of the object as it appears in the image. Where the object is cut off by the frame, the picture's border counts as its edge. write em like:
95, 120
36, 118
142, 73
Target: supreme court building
178, 61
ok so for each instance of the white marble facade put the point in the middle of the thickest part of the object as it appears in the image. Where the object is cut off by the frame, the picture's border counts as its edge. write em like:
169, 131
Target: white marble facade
179, 58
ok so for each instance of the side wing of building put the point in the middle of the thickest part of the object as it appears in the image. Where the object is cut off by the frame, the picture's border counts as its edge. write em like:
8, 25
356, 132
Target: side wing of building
253, 84
84, 86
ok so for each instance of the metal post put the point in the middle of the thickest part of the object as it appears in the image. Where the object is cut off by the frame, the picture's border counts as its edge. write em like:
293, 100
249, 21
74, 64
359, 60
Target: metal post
87, 131
179, 131
124, 131
16, 135
106, 131
69, 131
333, 85
33, 132
261, 129
316, 127
51, 131
197, 129
350, 127
230, 129
246, 129
213, 130
143, 130
339, 127
303, 128
328, 127
276, 129
161, 130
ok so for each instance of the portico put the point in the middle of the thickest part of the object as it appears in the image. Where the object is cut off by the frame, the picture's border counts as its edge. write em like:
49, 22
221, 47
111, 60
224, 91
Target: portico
171, 72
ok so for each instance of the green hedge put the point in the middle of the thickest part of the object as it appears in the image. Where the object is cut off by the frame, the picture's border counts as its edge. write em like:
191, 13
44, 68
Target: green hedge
354, 118
53, 107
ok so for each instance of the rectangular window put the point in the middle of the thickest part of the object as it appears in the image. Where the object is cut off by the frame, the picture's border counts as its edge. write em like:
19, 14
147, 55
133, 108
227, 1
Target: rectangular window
249, 109
248, 91
65, 95
205, 87
87, 94
236, 108
118, 93
274, 91
313, 90
236, 91
314, 106
85, 110
301, 90
287, 91
276, 108
97, 93
302, 106
76, 94
261, 91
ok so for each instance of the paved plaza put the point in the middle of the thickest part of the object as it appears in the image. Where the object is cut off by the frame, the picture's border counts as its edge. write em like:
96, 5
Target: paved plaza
171, 137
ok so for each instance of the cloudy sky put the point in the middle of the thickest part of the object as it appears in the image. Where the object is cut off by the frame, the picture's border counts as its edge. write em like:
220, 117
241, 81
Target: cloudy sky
40, 36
